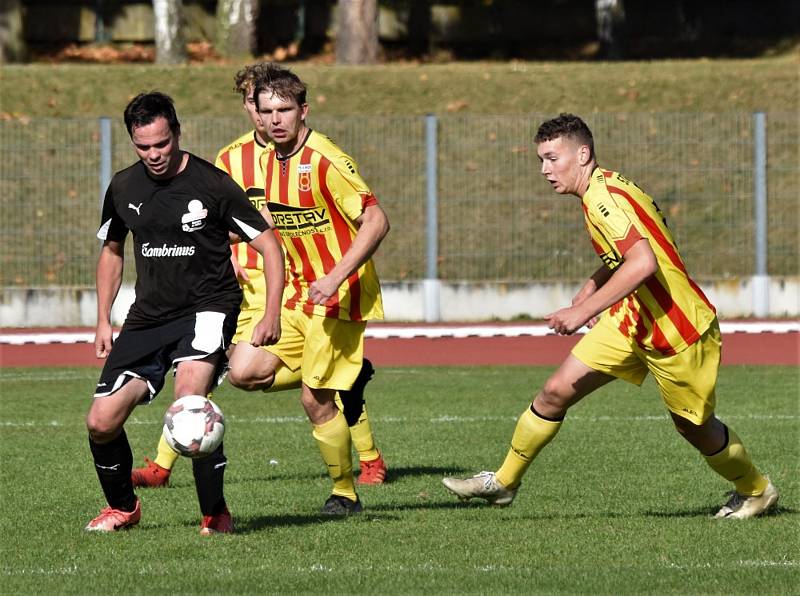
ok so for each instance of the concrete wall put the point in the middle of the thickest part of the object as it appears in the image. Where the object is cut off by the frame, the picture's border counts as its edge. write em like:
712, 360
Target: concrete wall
70, 307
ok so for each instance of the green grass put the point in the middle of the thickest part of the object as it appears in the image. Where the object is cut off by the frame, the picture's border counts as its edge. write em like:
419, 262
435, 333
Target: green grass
514, 87
616, 504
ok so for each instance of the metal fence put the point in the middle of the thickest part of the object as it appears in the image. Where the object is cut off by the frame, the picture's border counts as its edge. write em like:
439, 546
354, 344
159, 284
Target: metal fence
496, 218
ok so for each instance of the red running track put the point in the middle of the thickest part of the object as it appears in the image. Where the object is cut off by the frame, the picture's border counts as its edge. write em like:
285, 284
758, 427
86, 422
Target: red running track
738, 348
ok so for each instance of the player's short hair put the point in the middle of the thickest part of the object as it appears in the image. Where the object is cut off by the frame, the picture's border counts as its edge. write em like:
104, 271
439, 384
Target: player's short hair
146, 107
565, 125
280, 81
245, 80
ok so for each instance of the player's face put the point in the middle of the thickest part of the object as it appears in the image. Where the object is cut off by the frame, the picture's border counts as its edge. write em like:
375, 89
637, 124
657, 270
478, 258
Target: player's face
252, 113
560, 159
283, 119
157, 147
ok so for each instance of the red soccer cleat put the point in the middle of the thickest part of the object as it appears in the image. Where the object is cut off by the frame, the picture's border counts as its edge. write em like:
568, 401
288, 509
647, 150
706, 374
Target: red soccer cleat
150, 476
221, 523
372, 472
111, 520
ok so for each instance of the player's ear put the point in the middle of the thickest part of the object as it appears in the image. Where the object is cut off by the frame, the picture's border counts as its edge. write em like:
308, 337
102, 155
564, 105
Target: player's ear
584, 155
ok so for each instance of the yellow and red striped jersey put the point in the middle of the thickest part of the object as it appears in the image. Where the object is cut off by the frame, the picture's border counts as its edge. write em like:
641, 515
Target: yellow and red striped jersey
241, 160
315, 196
669, 311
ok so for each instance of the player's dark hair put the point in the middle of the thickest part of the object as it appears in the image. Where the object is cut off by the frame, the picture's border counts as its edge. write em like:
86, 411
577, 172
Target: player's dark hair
565, 125
280, 81
146, 107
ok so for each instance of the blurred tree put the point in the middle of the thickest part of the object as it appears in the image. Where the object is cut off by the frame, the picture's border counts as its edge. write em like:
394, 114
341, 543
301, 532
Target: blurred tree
610, 28
419, 28
12, 42
170, 45
236, 28
357, 32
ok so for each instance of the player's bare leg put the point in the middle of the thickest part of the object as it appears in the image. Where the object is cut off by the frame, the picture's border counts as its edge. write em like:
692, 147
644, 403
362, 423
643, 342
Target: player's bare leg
724, 452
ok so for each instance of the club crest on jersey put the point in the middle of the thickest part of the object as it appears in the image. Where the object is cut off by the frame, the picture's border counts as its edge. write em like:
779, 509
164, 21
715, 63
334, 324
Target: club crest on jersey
195, 219
304, 177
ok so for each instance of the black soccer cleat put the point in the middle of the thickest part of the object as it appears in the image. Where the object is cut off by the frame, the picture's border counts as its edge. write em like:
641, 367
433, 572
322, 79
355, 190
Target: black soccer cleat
339, 506
353, 398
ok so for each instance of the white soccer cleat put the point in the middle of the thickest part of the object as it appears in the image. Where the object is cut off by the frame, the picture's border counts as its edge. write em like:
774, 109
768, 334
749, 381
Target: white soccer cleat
743, 507
483, 486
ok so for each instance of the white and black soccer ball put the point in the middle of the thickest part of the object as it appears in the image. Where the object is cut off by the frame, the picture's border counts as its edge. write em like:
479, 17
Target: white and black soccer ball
194, 426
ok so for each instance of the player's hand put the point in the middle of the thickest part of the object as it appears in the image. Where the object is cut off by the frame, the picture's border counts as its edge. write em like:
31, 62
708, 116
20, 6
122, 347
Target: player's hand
267, 332
321, 290
241, 272
103, 339
567, 320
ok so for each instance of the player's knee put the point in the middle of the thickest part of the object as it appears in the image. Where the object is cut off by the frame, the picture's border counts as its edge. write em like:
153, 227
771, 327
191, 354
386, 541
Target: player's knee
245, 378
556, 394
101, 429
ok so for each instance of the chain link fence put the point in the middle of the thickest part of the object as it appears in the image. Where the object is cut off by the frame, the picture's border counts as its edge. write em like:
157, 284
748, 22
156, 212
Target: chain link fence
498, 219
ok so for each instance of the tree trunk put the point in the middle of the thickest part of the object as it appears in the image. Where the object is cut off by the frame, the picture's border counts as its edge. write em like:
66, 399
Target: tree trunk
419, 28
12, 42
357, 32
236, 28
610, 28
170, 45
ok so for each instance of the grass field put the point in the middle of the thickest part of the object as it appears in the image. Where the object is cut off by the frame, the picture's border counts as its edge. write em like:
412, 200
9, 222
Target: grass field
616, 504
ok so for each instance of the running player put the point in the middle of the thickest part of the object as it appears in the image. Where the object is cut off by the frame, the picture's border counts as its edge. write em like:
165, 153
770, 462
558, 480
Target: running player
182, 212
330, 224
241, 160
646, 315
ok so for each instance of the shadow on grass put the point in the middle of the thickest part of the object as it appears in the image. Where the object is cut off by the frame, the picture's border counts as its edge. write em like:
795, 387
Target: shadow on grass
393, 474
709, 512
266, 522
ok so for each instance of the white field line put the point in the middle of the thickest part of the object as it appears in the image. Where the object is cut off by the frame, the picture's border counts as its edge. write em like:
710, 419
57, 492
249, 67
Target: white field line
382, 331
425, 567
385, 420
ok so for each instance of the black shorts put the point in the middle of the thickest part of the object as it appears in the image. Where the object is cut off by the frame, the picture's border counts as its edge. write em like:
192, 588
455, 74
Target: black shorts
147, 353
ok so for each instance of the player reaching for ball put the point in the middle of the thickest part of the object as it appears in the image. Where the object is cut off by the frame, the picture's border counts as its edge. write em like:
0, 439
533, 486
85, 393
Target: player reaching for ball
646, 315
182, 213
241, 160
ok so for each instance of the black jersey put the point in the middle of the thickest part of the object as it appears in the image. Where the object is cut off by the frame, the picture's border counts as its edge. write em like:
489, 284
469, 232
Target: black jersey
180, 234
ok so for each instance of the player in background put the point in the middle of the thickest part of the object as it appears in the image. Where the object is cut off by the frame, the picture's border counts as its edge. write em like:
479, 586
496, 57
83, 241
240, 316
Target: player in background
182, 213
241, 160
646, 315
330, 224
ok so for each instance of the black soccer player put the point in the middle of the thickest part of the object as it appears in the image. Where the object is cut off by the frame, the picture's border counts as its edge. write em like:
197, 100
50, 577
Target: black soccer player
182, 213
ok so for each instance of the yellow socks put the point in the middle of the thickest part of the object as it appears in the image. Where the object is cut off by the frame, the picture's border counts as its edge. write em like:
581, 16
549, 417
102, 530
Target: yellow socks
361, 435
530, 436
333, 439
734, 464
165, 455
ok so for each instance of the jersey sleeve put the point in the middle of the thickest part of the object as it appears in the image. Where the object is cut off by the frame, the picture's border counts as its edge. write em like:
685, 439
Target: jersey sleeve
349, 189
111, 225
613, 221
236, 209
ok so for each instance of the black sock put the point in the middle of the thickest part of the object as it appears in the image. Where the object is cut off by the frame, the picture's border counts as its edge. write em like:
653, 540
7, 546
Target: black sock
209, 473
113, 462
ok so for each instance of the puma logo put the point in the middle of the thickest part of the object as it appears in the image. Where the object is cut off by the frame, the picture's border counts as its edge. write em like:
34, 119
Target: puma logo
135, 207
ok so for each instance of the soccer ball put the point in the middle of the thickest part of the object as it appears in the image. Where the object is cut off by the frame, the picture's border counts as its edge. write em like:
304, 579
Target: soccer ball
194, 426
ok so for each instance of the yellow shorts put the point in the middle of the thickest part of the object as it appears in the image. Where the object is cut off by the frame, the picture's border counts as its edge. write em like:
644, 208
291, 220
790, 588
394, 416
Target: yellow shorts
254, 297
329, 352
687, 380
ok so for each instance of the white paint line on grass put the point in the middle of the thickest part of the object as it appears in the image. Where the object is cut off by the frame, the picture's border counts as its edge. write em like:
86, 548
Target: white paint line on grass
445, 419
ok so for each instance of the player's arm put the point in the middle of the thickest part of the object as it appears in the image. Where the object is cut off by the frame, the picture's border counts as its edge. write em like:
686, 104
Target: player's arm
638, 265
268, 330
108, 280
373, 225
